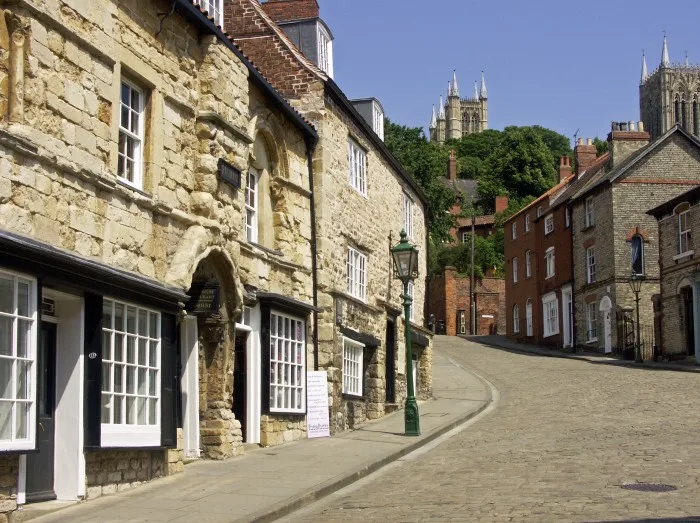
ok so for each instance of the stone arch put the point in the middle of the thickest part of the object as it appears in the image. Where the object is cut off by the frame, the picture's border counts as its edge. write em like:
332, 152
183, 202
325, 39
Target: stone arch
685, 282
605, 304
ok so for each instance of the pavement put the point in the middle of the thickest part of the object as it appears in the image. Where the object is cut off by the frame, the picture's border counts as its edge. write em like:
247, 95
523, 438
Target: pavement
269, 483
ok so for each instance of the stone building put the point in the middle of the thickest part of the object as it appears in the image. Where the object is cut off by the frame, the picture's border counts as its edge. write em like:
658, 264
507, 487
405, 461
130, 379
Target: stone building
461, 116
363, 199
678, 331
155, 215
670, 95
614, 237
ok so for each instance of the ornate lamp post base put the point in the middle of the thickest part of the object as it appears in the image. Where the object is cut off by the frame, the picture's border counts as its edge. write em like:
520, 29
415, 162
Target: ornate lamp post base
411, 418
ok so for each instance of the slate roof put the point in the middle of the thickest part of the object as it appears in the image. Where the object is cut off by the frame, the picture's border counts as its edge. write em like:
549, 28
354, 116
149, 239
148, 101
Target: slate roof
467, 189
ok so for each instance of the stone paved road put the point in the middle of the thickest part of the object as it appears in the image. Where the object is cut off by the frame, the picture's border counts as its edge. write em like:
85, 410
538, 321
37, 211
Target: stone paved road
564, 437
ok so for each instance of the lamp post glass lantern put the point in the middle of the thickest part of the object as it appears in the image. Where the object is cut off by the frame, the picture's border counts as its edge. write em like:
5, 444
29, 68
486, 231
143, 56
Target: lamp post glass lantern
405, 258
635, 282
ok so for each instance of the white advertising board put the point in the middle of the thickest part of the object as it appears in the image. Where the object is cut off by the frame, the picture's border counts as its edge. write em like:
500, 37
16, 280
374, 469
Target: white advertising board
317, 421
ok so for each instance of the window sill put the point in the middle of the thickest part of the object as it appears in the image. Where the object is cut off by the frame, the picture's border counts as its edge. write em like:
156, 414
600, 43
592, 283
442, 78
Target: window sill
550, 334
347, 396
588, 227
686, 254
277, 412
594, 340
549, 277
130, 185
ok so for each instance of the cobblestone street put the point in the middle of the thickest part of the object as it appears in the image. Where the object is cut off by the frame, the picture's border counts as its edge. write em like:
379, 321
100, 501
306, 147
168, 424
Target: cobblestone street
565, 436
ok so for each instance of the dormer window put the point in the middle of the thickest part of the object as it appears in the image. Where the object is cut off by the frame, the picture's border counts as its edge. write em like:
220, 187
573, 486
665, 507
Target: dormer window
325, 50
214, 9
378, 119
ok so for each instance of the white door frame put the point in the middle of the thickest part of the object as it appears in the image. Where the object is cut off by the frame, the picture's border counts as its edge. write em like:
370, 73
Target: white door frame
606, 308
567, 315
253, 375
189, 357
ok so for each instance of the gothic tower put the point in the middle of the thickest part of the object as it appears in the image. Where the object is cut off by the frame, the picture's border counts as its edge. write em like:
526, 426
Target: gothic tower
670, 95
433, 127
464, 115
441, 123
454, 116
484, 98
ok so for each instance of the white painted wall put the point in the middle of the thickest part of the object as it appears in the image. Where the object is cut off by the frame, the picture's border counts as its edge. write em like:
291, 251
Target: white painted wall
189, 353
253, 378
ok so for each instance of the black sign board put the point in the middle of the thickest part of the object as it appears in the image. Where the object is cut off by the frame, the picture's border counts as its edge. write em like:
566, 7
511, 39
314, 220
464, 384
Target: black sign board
205, 298
229, 174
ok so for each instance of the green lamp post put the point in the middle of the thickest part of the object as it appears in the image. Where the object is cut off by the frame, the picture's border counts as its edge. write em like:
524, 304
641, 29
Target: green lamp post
635, 282
405, 258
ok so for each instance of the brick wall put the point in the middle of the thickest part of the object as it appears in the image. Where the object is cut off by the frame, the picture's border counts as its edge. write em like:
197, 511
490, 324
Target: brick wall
289, 10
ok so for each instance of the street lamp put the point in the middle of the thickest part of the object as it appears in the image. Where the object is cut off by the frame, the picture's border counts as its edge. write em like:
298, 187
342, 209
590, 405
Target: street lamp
405, 258
636, 286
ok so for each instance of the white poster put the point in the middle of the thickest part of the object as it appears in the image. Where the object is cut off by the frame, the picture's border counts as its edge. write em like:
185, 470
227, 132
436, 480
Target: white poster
317, 404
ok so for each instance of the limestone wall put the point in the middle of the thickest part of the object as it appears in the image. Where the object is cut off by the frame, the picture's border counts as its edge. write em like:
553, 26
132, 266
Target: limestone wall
9, 468
114, 471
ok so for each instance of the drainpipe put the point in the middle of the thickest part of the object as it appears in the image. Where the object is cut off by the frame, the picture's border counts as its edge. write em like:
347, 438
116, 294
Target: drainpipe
310, 147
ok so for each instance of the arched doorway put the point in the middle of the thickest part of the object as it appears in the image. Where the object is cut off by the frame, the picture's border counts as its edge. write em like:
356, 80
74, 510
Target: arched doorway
606, 309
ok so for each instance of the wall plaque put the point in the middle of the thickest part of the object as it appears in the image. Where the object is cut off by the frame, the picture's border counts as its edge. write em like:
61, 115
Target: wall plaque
205, 298
229, 174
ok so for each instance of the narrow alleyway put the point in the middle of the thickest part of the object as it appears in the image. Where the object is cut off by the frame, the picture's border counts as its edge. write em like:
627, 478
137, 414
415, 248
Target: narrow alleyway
566, 436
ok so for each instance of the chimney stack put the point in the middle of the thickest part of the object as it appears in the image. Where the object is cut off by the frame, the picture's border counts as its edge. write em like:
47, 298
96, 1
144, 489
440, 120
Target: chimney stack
291, 10
564, 168
584, 154
625, 139
501, 203
452, 166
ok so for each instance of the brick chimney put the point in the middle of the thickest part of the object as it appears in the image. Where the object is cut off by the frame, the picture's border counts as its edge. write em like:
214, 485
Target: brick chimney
291, 10
564, 168
452, 166
626, 138
584, 154
501, 203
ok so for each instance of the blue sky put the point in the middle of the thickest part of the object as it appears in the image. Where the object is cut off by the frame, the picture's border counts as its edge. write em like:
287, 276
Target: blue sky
557, 63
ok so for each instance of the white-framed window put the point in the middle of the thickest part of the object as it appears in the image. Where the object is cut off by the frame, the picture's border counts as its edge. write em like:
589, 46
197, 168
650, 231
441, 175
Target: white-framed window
514, 230
357, 274
516, 319
527, 223
357, 161
637, 254
549, 262
465, 237
591, 323
18, 379
590, 265
549, 224
325, 50
131, 343
515, 270
684, 238
251, 206
528, 264
528, 317
462, 315
567, 217
550, 314
589, 216
378, 120
131, 134
287, 363
539, 211
412, 308
214, 8
352, 367
408, 215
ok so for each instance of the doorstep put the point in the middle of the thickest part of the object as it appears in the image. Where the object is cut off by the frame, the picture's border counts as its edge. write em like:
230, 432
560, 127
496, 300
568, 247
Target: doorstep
30, 511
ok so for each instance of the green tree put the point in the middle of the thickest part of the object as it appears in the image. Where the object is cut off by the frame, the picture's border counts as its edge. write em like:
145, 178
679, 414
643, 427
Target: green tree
601, 146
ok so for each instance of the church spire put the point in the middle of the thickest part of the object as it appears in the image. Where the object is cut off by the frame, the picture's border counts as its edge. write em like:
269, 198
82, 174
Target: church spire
441, 110
665, 62
645, 73
433, 120
484, 93
455, 89
687, 64
476, 91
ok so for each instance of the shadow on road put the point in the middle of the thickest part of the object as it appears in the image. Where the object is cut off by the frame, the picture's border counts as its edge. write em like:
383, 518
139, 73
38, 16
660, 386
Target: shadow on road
653, 520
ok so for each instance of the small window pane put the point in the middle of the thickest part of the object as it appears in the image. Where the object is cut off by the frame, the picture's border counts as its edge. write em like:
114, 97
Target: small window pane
118, 347
152, 405
130, 380
23, 299
143, 351
106, 377
22, 420
118, 410
131, 410
23, 376
130, 349
153, 354
143, 322
141, 405
5, 378
24, 338
153, 329
106, 345
118, 378
142, 382
5, 420
118, 316
6, 295
5, 336
106, 408
131, 320
152, 382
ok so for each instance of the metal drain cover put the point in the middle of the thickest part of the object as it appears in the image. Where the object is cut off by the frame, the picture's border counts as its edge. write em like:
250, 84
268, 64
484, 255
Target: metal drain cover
649, 487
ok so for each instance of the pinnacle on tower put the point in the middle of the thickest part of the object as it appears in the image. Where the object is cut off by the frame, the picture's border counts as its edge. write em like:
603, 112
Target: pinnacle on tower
441, 110
645, 74
433, 120
455, 89
686, 59
665, 62
476, 91
484, 93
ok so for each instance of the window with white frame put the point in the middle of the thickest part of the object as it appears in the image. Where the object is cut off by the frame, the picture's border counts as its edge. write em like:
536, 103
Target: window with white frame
130, 375
325, 50
465, 237
352, 367
527, 223
528, 317
539, 211
567, 217
591, 327
590, 265
214, 8
528, 264
412, 308
550, 314
516, 319
408, 215
287, 363
251, 206
378, 120
357, 161
357, 273
18, 334
549, 262
549, 224
684, 238
514, 230
589, 213
515, 270
131, 134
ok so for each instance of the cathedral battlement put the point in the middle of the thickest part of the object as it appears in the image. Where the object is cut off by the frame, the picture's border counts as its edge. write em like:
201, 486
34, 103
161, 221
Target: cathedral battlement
460, 116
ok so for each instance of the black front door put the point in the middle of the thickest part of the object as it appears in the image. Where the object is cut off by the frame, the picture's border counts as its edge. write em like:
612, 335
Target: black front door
40, 465
390, 373
239, 379
689, 320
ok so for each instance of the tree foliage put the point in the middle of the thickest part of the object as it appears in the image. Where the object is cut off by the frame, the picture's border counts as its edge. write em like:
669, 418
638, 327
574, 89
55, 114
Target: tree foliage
601, 146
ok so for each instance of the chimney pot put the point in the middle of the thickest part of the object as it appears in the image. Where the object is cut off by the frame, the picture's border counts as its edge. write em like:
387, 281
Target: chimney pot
580, 141
632, 126
589, 141
640, 127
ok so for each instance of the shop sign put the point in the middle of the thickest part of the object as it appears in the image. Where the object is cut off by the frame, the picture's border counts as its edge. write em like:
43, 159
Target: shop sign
204, 298
229, 174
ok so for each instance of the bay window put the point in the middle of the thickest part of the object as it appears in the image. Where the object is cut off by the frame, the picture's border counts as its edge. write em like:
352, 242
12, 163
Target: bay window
287, 363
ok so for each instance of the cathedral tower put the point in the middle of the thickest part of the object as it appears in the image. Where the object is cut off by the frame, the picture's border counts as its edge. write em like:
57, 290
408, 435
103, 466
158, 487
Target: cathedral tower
670, 95
463, 115
441, 123
454, 116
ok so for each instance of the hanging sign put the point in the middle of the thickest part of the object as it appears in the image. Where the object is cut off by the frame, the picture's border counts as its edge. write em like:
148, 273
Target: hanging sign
317, 420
